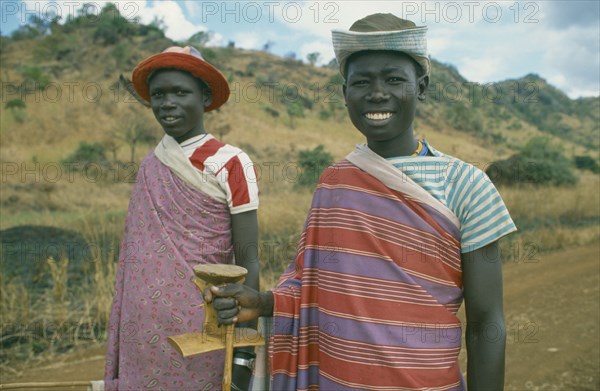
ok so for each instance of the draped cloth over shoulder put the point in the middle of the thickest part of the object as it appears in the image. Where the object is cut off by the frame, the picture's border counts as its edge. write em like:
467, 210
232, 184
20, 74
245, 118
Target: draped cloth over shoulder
171, 226
370, 301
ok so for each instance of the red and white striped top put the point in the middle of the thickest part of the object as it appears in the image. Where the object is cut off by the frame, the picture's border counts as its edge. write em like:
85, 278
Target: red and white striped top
232, 167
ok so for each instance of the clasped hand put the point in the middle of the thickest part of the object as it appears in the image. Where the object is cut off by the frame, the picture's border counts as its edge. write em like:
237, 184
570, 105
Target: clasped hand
234, 303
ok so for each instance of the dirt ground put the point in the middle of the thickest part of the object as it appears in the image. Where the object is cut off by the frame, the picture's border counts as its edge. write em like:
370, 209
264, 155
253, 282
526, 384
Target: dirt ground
552, 316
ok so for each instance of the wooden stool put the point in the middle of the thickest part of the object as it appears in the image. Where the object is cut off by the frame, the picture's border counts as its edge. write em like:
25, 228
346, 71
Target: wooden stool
214, 337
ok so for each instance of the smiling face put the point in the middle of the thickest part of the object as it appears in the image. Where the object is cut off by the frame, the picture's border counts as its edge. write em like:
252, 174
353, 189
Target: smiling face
178, 100
381, 92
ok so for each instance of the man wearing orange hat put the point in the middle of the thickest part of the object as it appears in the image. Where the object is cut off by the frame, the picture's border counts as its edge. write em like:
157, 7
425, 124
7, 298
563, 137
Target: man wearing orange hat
194, 201
398, 234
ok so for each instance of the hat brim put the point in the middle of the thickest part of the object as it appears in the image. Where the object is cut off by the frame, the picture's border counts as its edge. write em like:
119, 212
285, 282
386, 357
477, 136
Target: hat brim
201, 69
411, 41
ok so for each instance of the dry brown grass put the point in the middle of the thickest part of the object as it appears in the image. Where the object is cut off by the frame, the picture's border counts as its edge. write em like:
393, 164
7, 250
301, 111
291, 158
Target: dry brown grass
552, 218
63, 315
577, 203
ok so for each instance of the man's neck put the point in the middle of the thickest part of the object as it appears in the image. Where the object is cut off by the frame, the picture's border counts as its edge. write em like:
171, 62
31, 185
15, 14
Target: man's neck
403, 145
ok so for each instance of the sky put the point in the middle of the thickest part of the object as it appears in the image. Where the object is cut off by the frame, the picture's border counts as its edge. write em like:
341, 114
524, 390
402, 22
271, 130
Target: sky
487, 41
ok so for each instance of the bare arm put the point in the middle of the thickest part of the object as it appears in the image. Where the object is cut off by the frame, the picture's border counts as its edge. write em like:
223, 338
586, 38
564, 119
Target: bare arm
244, 227
242, 303
486, 331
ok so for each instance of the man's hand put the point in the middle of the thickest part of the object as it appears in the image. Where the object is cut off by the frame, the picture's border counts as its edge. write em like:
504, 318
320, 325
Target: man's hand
236, 303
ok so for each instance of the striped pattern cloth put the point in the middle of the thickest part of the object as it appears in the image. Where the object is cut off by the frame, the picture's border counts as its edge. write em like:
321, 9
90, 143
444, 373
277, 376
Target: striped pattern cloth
464, 189
232, 168
370, 301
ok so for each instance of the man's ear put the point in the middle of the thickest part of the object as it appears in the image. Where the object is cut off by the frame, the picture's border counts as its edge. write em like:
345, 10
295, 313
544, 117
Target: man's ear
207, 96
422, 83
344, 91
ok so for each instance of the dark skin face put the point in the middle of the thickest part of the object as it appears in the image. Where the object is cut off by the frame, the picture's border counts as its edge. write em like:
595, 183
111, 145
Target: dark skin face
178, 100
381, 93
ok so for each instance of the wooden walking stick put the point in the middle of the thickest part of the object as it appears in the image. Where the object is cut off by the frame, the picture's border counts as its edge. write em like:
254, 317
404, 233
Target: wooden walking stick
212, 336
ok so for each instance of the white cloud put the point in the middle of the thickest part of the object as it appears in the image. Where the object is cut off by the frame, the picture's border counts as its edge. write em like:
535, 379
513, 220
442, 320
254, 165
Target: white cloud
572, 56
566, 55
480, 69
177, 26
249, 40
436, 44
216, 39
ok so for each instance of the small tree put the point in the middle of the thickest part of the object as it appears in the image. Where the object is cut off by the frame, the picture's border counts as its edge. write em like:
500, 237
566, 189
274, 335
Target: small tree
131, 135
267, 46
112, 147
313, 162
294, 109
313, 58
200, 38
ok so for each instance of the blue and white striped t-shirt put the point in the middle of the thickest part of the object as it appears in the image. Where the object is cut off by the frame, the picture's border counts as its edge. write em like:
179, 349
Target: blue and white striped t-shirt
464, 189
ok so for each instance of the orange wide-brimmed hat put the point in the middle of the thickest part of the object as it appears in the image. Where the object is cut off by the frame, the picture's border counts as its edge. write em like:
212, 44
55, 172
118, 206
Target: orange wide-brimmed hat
186, 59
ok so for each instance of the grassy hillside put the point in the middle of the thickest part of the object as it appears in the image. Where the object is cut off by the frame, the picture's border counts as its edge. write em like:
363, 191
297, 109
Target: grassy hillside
60, 89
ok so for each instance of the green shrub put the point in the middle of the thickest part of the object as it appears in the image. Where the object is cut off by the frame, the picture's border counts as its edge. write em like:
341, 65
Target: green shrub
587, 163
539, 162
85, 154
294, 109
251, 69
337, 79
15, 104
497, 138
151, 29
271, 111
34, 78
325, 114
313, 162
461, 117
112, 26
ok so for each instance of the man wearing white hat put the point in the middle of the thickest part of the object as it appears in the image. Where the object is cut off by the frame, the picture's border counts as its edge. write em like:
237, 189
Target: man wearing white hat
397, 235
